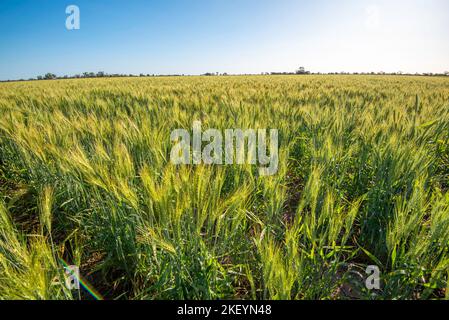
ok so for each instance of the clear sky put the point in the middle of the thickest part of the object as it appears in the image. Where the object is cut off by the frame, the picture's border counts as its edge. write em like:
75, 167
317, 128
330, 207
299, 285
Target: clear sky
234, 36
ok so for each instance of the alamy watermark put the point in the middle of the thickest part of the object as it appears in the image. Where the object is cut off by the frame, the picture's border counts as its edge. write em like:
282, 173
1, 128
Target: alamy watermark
373, 280
71, 277
227, 150
72, 22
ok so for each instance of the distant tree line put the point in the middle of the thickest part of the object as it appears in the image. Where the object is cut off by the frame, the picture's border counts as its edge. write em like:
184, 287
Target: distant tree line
299, 71
302, 70
100, 74
214, 74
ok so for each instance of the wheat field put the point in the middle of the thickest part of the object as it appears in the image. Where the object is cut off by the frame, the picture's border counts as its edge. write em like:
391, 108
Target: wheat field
86, 180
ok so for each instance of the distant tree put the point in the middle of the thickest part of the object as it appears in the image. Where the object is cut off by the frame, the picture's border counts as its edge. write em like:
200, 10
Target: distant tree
446, 73
49, 76
100, 74
40, 77
301, 70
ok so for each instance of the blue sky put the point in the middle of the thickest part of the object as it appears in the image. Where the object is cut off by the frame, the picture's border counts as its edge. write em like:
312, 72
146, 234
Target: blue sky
234, 36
